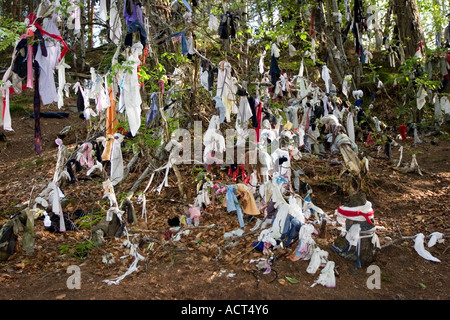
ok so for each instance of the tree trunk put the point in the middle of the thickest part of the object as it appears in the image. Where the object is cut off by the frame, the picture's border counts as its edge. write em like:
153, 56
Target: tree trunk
90, 14
409, 26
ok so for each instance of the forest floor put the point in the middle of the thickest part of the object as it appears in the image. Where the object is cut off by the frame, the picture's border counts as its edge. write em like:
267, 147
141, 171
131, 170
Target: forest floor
203, 265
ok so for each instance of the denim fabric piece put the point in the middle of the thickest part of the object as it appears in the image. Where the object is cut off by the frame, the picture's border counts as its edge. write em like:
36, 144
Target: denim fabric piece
233, 204
184, 46
134, 27
153, 109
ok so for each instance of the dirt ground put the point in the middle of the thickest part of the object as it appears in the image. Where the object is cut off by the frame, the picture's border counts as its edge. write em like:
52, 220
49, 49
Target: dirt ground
205, 266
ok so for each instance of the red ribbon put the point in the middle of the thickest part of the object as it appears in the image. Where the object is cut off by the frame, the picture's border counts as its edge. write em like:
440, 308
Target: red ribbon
349, 213
54, 36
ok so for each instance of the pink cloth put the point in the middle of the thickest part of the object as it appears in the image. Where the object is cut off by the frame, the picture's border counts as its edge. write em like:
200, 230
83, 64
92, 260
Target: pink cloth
194, 213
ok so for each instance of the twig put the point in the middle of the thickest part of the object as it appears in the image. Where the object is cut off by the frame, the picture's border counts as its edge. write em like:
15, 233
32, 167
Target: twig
406, 238
170, 200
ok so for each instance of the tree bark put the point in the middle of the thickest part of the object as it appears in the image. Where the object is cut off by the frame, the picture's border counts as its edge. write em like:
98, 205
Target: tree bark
409, 26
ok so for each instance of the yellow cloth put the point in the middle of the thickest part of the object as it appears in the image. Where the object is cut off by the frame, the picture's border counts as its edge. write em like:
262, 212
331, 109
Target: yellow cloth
249, 205
288, 125
106, 155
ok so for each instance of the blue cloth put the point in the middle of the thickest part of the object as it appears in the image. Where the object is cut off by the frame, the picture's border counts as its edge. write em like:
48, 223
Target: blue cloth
291, 230
186, 4
233, 204
363, 56
134, 27
153, 109
184, 46
221, 107
136, 13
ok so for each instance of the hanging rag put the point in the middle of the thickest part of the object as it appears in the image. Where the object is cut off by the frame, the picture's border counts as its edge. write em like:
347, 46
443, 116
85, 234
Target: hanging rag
249, 205
213, 23
420, 248
131, 97
327, 277
274, 70
227, 28
117, 167
226, 89
326, 78
233, 203
153, 113
421, 95
115, 23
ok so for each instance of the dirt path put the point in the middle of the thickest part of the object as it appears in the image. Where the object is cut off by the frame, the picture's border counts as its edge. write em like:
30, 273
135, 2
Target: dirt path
202, 265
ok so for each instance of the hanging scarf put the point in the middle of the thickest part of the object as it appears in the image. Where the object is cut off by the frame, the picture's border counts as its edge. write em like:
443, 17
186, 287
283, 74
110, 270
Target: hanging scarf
111, 116
117, 167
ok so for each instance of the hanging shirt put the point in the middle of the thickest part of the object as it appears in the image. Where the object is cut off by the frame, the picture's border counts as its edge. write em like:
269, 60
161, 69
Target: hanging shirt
131, 97
47, 64
132, 12
226, 89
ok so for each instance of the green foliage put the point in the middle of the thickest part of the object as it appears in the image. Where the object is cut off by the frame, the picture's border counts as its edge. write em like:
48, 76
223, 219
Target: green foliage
78, 251
88, 221
10, 32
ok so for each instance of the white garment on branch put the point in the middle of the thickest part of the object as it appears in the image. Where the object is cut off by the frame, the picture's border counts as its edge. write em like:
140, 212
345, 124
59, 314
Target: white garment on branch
117, 168
227, 88
131, 97
115, 23
103, 13
213, 139
61, 67
326, 78
47, 65
6, 118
